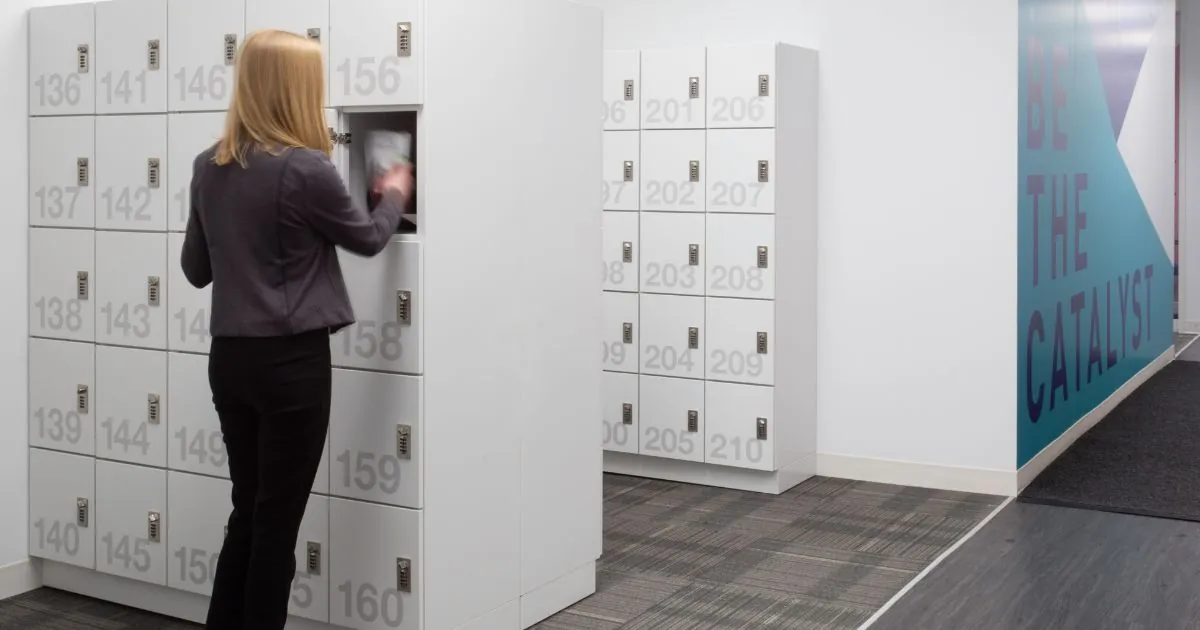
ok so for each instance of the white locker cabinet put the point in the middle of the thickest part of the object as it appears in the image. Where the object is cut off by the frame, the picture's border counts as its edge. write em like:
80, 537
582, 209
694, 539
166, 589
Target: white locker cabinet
741, 256
62, 159
673, 253
740, 339
619, 343
620, 414
350, 155
673, 88
374, 438
385, 292
375, 52
741, 86
131, 274
131, 163
308, 18
62, 396
62, 508
202, 45
131, 67
189, 134
620, 260
621, 182
131, 522
61, 284
131, 405
196, 442
187, 307
198, 509
310, 587
622, 91
321, 482
62, 56
672, 336
673, 171
375, 566
672, 418
740, 425
740, 171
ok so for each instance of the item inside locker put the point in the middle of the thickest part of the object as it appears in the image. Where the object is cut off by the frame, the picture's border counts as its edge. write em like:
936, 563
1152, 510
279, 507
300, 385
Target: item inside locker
387, 139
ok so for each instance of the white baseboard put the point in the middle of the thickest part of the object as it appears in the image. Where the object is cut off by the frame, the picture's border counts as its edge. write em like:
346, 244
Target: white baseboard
1035, 466
936, 476
20, 577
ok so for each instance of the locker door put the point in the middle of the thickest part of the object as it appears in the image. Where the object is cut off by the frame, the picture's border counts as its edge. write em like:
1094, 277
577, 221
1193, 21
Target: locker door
61, 284
130, 274
374, 436
131, 513
187, 306
620, 251
622, 93
741, 171
673, 171
621, 186
672, 253
61, 502
131, 69
131, 405
309, 18
131, 155
62, 53
62, 159
321, 483
673, 88
672, 336
741, 86
203, 39
334, 121
672, 418
619, 342
310, 587
188, 135
738, 427
374, 558
197, 511
741, 256
386, 294
62, 396
375, 52
196, 443
620, 415
740, 341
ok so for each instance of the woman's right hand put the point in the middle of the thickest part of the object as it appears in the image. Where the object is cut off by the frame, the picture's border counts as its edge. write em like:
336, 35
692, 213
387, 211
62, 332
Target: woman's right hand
399, 179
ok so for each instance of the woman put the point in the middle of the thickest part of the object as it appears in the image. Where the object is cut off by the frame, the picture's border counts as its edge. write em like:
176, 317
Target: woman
268, 207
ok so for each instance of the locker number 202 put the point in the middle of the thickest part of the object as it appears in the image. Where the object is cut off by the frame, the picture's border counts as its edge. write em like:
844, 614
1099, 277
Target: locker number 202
367, 75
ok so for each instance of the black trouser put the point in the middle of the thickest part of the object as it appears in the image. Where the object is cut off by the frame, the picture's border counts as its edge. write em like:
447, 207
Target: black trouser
272, 395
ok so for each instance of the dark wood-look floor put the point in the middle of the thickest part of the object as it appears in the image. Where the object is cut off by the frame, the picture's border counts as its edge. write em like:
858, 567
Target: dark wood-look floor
1036, 567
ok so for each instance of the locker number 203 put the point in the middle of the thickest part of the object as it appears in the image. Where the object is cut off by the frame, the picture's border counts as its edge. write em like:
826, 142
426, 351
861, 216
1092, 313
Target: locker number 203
368, 75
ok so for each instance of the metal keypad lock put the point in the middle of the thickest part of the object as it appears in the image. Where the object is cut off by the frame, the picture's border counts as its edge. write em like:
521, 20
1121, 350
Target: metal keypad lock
762, 256
764, 171
314, 34
761, 343
153, 408
404, 307
761, 429
693, 421
694, 87
627, 413
81, 285
83, 58
627, 332
404, 575
230, 50
153, 54
153, 290
694, 254
628, 89
312, 556
627, 251
764, 85
82, 512
694, 171
153, 528
82, 396
403, 441
404, 39
693, 338
153, 175
82, 169
627, 171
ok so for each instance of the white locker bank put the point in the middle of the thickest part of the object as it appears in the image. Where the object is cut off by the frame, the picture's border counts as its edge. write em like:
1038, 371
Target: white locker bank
461, 485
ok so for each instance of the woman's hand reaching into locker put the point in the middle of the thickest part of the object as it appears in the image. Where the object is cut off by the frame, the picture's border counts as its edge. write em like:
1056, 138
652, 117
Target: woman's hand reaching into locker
399, 179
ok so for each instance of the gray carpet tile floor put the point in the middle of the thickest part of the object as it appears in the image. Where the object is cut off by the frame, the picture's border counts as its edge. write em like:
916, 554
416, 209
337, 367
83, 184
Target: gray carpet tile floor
825, 555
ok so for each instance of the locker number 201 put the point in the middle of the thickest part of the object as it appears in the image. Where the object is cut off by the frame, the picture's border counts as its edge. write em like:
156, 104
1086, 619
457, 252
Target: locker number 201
670, 111
368, 75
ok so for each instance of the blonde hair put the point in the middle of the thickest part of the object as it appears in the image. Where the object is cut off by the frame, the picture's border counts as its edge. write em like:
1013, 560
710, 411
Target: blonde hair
279, 100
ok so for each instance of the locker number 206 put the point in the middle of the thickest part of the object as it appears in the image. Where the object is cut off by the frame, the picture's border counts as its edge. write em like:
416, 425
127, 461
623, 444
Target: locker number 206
738, 109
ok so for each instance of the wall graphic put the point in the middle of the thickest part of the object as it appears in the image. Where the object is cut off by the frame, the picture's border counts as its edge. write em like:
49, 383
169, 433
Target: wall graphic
1096, 182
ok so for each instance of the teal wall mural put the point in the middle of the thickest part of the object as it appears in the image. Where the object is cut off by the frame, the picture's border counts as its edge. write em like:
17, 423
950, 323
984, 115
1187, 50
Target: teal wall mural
1095, 280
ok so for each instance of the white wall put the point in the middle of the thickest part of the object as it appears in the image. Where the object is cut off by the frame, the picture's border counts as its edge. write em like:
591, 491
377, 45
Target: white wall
1189, 167
918, 219
15, 571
